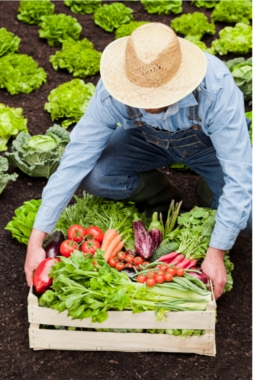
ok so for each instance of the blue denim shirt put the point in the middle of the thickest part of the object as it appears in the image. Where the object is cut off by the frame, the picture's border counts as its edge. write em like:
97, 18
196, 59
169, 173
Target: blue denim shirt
221, 109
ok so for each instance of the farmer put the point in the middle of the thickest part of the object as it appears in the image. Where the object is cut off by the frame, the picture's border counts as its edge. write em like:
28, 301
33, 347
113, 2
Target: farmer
160, 101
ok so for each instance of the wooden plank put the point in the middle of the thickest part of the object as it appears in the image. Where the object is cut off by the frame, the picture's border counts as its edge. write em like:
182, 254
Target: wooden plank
126, 342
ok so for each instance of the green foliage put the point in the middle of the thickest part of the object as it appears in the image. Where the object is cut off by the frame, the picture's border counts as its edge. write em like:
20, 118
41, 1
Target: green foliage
9, 43
83, 6
20, 73
203, 47
22, 223
204, 3
233, 11
111, 17
237, 39
39, 155
126, 29
249, 116
69, 101
78, 57
163, 6
193, 26
241, 69
11, 123
58, 28
5, 177
32, 11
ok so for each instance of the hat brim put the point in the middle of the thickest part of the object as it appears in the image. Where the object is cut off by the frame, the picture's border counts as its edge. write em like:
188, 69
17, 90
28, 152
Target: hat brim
189, 75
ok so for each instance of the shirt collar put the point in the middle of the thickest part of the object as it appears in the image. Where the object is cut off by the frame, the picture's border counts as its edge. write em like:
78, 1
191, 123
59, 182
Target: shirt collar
187, 101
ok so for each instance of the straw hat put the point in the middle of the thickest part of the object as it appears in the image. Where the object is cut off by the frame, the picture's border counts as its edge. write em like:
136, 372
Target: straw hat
152, 68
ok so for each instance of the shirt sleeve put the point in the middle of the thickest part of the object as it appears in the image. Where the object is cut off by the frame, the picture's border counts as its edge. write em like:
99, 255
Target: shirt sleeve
87, 141
228, 131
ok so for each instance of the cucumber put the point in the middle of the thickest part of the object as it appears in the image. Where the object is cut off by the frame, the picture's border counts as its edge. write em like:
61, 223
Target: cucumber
163, 249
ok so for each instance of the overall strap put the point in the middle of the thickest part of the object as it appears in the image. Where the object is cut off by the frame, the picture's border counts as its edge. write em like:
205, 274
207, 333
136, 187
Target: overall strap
194, 110
133, 113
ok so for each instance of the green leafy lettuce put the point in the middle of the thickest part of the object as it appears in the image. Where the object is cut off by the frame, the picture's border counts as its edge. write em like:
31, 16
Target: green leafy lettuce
203, 47
83, 6
20, 73
78, 57
22, 223
241, 69
233, 11
5, 177
193, 26
163, 6
32, 11
58, 28
237, 39
11, 123
204, 3
39, 155
126, 29
110, 17
69, 101
249, 116
9, 43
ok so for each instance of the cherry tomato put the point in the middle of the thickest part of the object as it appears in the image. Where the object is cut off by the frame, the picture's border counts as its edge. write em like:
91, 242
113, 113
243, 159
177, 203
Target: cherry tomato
90, 246
129, 265
121, 256
159, 266
160, 272
120, 266
112, 262
138, 260
168, 277
151, 274
141, 278
164, 267
172, 270
76, 233
159, 278
67, 247
129, 258
180, 272
145, 263
150, 282
96, 233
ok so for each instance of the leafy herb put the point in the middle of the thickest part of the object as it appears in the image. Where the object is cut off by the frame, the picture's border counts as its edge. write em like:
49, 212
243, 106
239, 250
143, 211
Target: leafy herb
5, 177
69, 101
78, 57
83, 6
22, 223
204, 3
193, 26
163, 6
236, 40
9, 43
183, 333
232, 11
20, 73
11, 123
126, 29
39, 155
241, 69
111, 17
32, 11
58, 28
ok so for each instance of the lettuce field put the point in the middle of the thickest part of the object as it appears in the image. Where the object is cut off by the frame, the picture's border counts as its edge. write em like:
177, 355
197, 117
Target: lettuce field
49, 68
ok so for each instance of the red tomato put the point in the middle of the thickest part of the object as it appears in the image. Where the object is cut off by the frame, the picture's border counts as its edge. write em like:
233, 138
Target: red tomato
168, 277
90, 246
112, 262
160, 272
76, 233
180, 272
151, 274
129, 265
164, 267
120, 266
172, 270
159, 278
121, 256
67, 247
138, 260
145, 263
96, 233
141, 278
129, 258
150, 282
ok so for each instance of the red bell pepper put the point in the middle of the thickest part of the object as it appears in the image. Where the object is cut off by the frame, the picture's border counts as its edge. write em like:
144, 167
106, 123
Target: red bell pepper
41, 279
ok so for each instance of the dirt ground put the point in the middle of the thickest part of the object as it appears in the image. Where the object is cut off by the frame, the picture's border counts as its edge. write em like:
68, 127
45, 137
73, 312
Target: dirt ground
17, 360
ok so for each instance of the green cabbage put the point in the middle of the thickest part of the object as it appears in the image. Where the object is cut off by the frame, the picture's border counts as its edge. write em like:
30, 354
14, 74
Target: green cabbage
5, 177
110, 17
58, 28
233, 11
20, 73
204, 3
83, 6
39, 156
241, 69
78, 57
9, 43
163, 6
193, 26
69, 101
126, 29
236, 40
11, 123
32, 11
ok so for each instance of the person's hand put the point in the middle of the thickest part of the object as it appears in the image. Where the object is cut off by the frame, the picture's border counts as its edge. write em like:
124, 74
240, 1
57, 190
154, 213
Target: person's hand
213, 266
35, 254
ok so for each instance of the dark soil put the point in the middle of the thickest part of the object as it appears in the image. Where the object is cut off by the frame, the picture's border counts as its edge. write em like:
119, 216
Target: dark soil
18, 361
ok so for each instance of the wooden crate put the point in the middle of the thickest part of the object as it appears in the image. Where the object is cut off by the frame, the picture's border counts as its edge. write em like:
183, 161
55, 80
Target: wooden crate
50, 339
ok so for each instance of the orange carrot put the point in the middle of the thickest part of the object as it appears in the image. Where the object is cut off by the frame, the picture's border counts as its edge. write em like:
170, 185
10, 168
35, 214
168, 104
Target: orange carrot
111, 247
109, 235
117, 249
